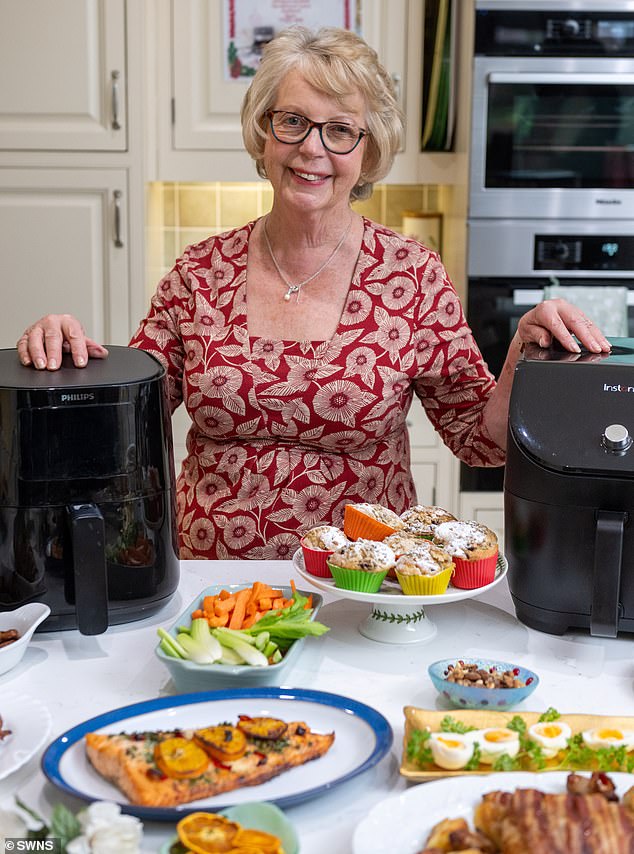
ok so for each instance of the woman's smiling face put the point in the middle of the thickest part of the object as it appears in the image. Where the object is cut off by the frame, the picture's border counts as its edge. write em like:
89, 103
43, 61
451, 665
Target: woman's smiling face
305, 175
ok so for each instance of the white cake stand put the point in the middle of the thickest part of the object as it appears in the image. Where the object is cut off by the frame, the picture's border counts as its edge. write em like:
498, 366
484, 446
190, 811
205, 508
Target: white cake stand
395, 617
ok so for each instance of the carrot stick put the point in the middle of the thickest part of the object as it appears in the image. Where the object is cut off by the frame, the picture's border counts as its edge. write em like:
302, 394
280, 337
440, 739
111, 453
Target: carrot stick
197, 614
215, 621
208, 604
265, 604
237, 616
224, 606
277, 603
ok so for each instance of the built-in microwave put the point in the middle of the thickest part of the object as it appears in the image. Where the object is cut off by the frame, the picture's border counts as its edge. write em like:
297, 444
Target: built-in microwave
553, 110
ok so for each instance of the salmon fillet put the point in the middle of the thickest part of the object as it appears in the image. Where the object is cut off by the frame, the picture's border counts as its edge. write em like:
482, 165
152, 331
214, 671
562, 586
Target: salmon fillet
127, 760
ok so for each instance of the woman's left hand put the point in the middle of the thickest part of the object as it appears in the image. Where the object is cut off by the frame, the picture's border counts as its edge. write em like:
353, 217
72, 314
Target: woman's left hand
560, 320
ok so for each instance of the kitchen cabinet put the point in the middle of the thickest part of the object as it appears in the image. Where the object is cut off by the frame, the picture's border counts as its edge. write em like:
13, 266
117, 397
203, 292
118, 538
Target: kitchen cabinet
72, 164
64, 247
484, 507
64, 70
198, 134
434, 467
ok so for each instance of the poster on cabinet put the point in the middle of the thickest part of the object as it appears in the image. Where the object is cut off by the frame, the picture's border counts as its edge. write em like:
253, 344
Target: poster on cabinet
250, 24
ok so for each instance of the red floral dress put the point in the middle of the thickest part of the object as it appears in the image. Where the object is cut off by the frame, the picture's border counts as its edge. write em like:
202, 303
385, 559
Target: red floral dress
285, 433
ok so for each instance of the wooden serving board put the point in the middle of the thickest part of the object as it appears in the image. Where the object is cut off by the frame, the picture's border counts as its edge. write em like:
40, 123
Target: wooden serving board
421, 719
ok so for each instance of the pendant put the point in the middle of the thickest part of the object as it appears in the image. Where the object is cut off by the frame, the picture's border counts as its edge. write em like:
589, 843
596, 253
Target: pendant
292, 289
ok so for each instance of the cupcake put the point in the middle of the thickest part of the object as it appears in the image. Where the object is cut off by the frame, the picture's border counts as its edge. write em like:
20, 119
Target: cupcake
361, 565
318, 544
425, 570
369, 521
400, 542
420, 521
474, 549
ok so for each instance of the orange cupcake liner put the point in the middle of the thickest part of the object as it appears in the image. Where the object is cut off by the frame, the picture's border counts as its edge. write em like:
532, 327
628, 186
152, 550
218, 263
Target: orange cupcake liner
360, 526
470, 574
316, 561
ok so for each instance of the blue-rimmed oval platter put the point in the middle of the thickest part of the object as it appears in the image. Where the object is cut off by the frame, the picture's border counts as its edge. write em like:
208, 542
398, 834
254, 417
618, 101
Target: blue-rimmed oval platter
362, 738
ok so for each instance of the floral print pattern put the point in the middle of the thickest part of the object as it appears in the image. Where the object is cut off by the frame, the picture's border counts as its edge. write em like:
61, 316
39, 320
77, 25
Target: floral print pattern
285, 433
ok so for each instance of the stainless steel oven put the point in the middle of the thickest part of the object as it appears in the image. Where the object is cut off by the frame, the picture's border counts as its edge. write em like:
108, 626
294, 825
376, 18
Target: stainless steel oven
553, 109
510, 263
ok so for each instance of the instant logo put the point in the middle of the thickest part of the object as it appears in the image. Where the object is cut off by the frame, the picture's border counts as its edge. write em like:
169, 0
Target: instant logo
76, 398
619, 387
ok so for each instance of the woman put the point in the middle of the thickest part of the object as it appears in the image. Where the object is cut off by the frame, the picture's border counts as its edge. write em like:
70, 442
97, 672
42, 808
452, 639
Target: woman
298, 341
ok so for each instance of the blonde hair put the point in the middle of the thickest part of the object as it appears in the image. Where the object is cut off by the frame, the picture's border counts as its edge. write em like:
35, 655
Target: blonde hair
339, 63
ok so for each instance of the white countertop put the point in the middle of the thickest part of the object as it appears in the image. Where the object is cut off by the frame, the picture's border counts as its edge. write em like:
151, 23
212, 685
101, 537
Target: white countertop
78, 677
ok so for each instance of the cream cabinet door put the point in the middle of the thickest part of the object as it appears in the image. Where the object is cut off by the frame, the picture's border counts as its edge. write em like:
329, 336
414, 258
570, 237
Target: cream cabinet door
63, 72
199, 132
486, 508
63, 245
434, 467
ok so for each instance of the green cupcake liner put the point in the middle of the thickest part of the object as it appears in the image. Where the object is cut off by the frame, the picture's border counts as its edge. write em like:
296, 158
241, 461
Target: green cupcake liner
357, 579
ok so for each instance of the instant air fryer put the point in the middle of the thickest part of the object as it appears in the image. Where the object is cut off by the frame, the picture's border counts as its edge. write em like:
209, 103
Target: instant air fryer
569, 490
87, 503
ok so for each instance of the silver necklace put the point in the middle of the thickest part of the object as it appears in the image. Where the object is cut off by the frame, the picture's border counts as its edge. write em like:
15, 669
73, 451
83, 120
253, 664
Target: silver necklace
295, 289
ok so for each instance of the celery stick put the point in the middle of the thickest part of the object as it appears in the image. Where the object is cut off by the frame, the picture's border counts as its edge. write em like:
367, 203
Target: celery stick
170, 645
236, 641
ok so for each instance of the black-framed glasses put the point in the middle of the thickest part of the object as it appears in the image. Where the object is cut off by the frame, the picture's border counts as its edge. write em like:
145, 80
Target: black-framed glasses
336, 137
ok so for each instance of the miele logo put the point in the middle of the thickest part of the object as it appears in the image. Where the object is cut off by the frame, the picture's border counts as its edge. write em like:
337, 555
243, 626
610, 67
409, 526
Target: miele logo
608, 201
75, 398
618, 387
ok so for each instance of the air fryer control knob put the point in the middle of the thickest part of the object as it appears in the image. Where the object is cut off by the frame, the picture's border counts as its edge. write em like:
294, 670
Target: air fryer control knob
616, 438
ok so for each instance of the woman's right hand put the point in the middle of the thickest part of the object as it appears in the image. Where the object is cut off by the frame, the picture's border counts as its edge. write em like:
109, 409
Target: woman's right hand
44, 342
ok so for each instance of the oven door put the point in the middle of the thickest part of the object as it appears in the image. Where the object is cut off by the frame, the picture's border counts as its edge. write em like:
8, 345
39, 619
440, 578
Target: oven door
552, 137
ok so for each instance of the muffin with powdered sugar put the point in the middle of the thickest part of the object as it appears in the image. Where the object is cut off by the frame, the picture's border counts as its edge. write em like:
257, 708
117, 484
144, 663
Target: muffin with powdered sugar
425, 570
474, 549
421, 520
361, 565
317, 546
370, 521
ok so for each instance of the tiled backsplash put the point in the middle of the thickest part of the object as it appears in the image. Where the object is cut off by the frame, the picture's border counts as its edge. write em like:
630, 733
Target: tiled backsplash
180, 214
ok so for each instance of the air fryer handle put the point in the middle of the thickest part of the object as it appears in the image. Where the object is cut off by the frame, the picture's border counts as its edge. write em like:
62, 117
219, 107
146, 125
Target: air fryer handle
89, 568
606, 582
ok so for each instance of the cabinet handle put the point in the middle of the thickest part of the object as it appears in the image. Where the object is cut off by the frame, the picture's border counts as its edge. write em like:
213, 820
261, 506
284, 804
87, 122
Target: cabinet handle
115, 100
396, 80
118, 242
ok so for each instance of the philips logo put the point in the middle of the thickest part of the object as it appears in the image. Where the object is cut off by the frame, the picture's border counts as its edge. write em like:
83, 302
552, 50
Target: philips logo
76, 398
618, 387
609, 201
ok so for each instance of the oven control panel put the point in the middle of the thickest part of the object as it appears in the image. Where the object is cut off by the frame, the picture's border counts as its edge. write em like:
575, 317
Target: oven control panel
583, 252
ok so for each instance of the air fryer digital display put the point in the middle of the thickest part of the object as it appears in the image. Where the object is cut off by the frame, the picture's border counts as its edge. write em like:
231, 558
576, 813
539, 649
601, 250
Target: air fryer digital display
583, 252
73, 442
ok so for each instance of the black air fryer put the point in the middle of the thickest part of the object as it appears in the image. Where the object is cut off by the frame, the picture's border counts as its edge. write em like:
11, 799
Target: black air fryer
87, 503
569, 490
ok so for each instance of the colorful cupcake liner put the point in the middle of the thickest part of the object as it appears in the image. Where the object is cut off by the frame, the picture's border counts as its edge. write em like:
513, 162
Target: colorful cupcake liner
360, 526
425, 585
470, 574
316, 561
357, 579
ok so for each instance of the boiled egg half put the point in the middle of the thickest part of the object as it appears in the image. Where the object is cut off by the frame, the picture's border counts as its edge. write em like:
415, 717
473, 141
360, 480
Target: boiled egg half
495, 742
608, 737
451, 750
551, 736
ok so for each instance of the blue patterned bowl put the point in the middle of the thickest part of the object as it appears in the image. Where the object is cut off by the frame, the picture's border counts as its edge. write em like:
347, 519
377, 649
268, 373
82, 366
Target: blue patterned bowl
473, 697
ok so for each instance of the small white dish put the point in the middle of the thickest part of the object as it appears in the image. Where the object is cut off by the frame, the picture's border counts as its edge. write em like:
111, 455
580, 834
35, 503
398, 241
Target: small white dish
25, 619
30, 723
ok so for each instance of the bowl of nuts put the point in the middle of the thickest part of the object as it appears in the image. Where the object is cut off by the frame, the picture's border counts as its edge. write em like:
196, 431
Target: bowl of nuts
479, 683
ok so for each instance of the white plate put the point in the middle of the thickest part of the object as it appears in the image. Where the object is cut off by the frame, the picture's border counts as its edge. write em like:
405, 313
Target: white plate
401, 824
395, 617
30, 725
363, 737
